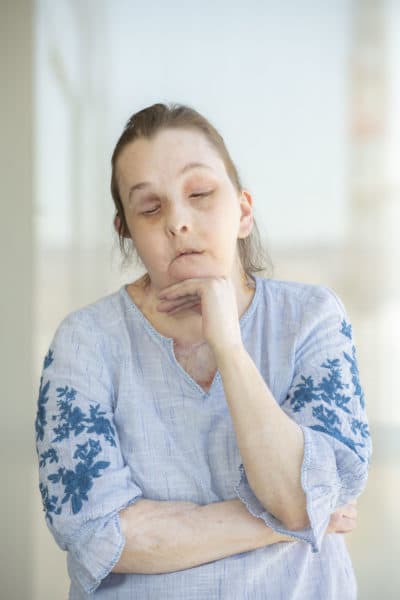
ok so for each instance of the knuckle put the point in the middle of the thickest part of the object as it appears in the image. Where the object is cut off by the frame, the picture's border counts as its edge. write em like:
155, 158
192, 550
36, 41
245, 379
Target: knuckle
335, 519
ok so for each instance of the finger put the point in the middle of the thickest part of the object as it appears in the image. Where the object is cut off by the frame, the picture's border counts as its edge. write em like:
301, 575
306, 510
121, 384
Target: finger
343, 520
339, 524
346, 526
185, 306
167, 301
183, 288
348, 511
167, 305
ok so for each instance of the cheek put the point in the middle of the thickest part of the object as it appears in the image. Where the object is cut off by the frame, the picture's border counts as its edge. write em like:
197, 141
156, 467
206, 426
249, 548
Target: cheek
141, 235
227, 213
151, 250
224, 228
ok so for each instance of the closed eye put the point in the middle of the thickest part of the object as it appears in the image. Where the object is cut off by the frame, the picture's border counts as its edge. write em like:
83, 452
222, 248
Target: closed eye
196, 195
152, 211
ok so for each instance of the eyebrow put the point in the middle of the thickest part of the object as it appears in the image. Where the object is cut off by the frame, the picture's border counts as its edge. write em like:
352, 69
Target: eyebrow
144, 184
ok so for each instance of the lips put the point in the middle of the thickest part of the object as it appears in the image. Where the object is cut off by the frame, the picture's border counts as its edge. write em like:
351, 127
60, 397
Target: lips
186, 252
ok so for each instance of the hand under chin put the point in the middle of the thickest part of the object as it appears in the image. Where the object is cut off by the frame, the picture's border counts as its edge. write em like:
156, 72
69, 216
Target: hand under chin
181, 270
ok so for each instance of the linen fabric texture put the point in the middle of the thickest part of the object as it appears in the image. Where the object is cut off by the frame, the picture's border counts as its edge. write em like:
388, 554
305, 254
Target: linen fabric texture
119, 419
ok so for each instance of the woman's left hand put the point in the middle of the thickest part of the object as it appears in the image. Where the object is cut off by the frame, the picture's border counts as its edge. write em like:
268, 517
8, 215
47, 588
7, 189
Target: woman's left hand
344, 519
215, 299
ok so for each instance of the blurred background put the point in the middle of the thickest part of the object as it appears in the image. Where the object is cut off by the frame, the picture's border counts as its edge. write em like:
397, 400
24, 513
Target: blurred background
307, 98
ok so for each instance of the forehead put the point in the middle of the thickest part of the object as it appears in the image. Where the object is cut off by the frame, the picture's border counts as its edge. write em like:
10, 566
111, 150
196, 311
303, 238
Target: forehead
166, 154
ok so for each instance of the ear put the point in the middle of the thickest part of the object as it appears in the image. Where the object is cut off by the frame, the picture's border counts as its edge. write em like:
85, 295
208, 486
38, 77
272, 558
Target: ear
117, 224
246, 218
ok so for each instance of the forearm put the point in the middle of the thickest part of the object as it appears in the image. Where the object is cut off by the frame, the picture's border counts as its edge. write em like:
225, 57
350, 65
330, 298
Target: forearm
161, 537
271, 444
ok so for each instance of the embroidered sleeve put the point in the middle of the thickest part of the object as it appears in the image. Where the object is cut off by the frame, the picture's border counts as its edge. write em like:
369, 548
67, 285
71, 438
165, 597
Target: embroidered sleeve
83, 480
327, 401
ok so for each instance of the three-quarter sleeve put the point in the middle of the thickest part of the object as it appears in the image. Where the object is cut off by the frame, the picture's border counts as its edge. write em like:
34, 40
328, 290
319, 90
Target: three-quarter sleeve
83, 480
326, 399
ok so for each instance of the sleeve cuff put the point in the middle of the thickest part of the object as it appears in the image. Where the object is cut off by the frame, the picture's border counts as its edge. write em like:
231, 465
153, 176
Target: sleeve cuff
320, 484
96, 550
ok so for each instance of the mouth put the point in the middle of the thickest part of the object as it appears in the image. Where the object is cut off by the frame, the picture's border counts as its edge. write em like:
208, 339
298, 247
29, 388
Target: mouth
182, 253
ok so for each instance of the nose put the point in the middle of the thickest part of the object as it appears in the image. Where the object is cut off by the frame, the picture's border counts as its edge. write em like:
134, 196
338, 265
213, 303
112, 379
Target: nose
178, 219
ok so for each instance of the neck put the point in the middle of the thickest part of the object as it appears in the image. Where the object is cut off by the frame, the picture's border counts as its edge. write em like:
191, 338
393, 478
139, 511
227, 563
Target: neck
186, 327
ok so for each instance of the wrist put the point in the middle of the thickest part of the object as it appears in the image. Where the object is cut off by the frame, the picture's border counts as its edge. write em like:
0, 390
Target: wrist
228, 352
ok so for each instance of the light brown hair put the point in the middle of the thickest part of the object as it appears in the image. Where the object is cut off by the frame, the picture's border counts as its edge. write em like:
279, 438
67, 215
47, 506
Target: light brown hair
146, 123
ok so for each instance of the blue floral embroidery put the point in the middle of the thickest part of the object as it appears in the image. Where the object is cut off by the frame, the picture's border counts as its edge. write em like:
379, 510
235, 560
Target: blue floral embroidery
355, 375
50, 455
329, 418
328, 390
49, 502
331, 385
304, 393
359, 426
71, 420
77, 483
48, 359
100, 425
41, 421
331, 390
346, 329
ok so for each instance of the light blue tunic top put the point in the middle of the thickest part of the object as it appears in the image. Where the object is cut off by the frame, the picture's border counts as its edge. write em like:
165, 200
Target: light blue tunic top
119, 419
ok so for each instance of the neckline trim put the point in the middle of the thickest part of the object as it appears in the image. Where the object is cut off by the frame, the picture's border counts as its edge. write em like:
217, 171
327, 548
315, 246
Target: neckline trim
169, 341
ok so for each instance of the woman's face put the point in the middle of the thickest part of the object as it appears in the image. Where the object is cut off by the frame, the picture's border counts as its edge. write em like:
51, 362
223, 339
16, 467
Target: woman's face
182, 210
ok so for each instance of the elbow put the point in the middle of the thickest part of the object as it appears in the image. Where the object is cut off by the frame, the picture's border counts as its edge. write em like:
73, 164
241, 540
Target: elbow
297, 518
294, 520
293, 517
297, 524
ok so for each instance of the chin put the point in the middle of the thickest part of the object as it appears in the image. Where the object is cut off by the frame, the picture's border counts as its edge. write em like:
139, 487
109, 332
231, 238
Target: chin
180, 273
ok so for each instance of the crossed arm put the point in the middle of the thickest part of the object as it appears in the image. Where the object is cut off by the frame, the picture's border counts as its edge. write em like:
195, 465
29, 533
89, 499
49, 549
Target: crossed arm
171, 536
162, 536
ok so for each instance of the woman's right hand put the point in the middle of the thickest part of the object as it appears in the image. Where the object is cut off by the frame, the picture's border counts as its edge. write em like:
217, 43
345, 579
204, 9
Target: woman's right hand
344, 519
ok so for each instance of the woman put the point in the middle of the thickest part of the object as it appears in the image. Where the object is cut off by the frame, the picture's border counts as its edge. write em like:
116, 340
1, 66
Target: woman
201, 432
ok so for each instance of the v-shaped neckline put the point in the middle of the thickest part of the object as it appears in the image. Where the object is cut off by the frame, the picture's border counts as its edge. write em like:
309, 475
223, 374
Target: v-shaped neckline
168, 343
205, 393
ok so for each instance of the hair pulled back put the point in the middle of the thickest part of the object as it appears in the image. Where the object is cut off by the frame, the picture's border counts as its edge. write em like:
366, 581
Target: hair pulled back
146, 123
